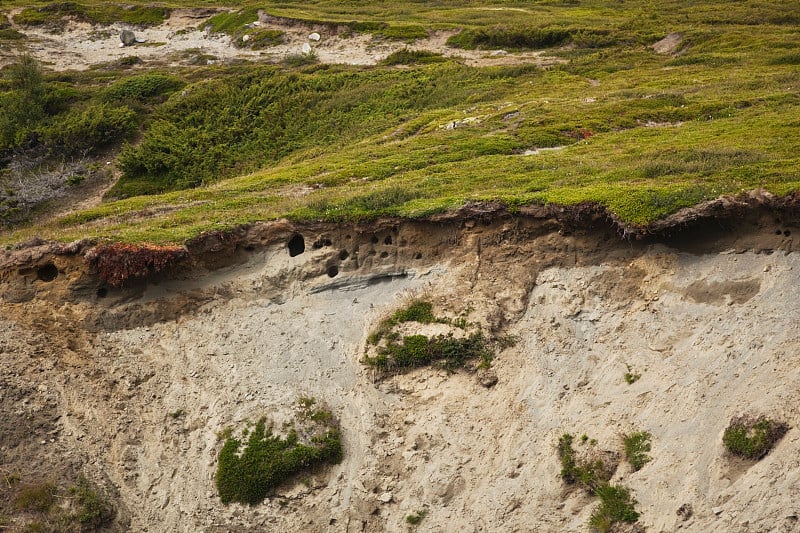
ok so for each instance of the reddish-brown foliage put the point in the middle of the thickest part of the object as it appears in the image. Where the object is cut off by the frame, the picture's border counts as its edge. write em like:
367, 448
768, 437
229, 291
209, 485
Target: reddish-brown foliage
117, 263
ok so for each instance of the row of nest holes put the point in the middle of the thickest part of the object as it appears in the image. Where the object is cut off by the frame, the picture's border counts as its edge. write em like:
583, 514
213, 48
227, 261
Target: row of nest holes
297, 245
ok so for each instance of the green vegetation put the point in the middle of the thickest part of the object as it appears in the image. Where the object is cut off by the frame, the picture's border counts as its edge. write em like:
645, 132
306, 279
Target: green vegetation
52, 507
616, 503
416, 311
512, 38
412, 57
447, 351
637, 445
256, 463
631, 377
416, 518
57, 14
753, 438
640, 133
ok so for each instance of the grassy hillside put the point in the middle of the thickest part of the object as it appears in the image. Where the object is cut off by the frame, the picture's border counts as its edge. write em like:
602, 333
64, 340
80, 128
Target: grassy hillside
615, 122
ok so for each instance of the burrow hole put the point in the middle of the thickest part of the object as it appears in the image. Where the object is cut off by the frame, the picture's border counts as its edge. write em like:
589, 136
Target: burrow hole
388, 240
343, 255
333, 271
297, 245
47, 272
102, 292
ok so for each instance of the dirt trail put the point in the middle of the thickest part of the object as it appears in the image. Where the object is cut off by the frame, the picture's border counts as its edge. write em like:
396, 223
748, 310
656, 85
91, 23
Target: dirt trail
178, 41
249, 329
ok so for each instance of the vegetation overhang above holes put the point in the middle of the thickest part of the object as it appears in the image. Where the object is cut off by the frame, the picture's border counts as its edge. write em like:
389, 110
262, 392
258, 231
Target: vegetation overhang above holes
259, 460
396, 344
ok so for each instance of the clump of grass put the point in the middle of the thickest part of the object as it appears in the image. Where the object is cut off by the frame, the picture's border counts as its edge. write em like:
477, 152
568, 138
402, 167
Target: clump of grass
753, 438
232, 22
300, 60
259, 461
616, 503
509, 37
417, 311
143, 87
412, 57
631, 376
419, 350
637, 444
590, 472
416, 517
37, 497
93, 508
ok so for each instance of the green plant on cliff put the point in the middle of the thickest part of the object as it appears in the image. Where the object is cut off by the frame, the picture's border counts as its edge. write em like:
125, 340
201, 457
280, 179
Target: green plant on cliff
252, 465
753, 437
617, 505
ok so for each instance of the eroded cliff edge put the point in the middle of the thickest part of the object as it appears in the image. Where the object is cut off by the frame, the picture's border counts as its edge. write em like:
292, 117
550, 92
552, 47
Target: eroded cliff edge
240, 327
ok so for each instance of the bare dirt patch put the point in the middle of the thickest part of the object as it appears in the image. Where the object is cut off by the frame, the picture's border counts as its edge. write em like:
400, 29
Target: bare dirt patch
179, 41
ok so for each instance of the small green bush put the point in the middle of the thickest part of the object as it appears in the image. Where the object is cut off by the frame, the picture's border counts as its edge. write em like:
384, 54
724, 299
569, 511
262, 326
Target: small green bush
143, 87
9, 34
616, 505
418, 350
38, 497
300, 60
509, 37
230, 23
590, 473
753, 438
417, 517
93, 508
616, 502
412, 57
417, 311
249, 469
637, 444
408, 32
89, 129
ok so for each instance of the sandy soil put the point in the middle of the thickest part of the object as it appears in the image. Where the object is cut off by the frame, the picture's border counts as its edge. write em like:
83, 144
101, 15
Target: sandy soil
178, 41
713, 335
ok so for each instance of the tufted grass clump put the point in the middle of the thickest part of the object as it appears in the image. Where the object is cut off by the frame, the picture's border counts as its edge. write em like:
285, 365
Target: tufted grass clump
416, 311
637, 445
616, 503
753, 438
257, 462
447, 351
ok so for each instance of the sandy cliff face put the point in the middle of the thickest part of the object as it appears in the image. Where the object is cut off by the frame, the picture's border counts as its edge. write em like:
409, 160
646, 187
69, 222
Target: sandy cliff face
131, 385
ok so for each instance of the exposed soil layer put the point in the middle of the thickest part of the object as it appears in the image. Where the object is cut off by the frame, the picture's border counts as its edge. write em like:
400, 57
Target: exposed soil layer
130, 385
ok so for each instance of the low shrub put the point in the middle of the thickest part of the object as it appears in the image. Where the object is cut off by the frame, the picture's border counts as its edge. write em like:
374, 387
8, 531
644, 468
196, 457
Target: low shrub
616, 505
637, 444
414, 519
93, 509
416, 311
753, 438
38, 497
253, 465
143, 87
412, 57
89, 128
509, 37
231, 22
418, 350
